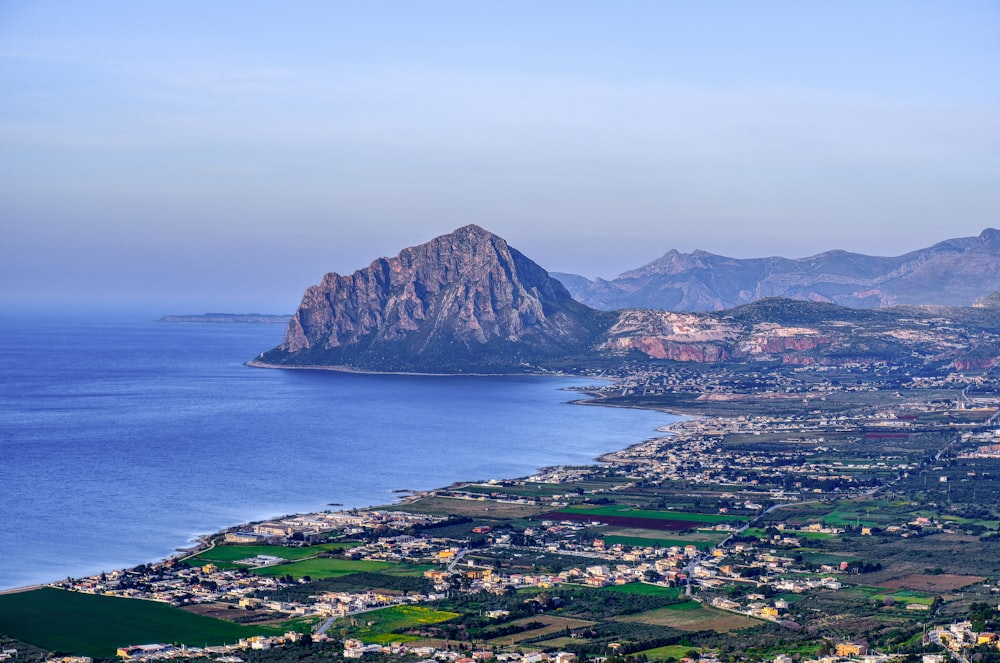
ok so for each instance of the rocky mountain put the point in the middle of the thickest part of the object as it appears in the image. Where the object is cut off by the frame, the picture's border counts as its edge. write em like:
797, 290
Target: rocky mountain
954, 272
463, 302
467, 302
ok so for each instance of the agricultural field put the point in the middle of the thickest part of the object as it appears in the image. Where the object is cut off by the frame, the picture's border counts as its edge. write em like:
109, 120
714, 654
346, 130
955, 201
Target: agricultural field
323, 567
647, 539
528, 490
651, 514
669, 652
482, 509
90, 625
549, 625
938, 583
226, 556
906, 597
631, 517
645, 589
385, 625
692, 616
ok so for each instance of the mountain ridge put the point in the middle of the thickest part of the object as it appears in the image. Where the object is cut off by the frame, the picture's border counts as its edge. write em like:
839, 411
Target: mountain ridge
952, 272
467, 302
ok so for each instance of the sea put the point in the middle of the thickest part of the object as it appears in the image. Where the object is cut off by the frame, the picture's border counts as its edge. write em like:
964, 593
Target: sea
124, 440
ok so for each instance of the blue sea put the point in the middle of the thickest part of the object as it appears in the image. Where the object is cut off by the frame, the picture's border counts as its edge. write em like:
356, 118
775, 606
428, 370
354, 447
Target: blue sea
121, 441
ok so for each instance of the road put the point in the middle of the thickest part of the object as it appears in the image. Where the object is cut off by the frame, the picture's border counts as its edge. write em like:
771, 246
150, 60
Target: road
935, 637
456, 559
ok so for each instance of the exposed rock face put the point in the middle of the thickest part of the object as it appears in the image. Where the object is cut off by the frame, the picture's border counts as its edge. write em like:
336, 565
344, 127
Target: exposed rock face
693, 337
951, 273
461, 302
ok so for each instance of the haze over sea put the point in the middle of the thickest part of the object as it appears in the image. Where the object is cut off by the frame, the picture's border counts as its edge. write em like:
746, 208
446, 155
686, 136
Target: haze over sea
123, 440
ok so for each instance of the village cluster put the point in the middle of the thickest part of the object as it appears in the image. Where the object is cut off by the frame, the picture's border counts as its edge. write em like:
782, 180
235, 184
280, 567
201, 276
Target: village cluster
742, 560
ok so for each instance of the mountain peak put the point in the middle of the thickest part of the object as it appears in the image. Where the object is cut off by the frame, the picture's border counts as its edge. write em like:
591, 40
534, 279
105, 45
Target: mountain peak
471, 230
462, 301
990, 236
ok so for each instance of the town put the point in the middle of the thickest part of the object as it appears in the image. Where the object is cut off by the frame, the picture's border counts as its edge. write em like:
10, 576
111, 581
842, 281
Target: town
822, 521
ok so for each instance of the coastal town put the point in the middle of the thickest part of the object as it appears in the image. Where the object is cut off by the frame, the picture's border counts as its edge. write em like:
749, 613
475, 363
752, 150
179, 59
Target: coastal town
821, 530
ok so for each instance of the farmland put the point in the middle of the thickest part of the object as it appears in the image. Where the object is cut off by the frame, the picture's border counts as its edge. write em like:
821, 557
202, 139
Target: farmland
227, 556
323, 568
627, 516
97, 625
386, 625
692, 616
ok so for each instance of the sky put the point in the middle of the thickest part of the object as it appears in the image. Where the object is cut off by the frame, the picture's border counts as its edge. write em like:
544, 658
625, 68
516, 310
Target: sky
189, 156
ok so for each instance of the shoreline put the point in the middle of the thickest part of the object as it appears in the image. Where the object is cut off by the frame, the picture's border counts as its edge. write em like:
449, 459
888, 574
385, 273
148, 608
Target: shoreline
201, 542
339, 368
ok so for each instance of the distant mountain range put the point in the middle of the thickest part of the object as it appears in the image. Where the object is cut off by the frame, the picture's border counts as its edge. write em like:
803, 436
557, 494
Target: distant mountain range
467, 302
954, 272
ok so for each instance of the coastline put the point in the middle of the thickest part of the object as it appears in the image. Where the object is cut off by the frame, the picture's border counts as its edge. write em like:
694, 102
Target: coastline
201, 542
253, 363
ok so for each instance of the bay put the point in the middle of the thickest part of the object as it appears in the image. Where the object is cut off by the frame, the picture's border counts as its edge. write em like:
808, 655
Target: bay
121, 441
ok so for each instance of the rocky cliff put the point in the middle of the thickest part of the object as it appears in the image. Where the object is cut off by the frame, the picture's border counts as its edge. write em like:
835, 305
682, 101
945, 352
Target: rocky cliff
805, 333
951, 273
463, 302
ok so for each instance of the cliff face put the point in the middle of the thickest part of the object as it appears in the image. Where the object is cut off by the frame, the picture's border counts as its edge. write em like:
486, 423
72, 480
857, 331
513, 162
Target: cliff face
691, 337
465, 301
951, 273
804, 333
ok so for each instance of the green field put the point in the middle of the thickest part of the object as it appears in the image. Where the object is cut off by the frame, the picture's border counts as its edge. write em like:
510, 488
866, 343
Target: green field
226, 555
687, 605
632, 512
675, 652
323, 567
813, 557
379, 625
90, 625
907, 596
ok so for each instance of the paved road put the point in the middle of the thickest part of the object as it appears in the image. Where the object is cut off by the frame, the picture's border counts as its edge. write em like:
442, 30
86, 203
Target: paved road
456, 559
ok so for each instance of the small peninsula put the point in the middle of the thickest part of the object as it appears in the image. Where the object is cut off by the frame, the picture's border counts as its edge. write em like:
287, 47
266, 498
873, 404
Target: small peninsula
230, 318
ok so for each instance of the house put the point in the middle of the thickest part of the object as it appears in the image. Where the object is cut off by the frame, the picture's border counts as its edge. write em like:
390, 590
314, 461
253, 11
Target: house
851, 648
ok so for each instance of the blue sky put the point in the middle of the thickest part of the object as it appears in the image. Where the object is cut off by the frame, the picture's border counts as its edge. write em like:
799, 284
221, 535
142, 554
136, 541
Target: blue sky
193, 156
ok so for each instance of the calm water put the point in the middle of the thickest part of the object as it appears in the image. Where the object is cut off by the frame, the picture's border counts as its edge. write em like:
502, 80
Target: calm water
119, 442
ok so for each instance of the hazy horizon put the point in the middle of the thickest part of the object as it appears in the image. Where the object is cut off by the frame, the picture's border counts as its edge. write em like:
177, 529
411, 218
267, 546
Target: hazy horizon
181, 157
